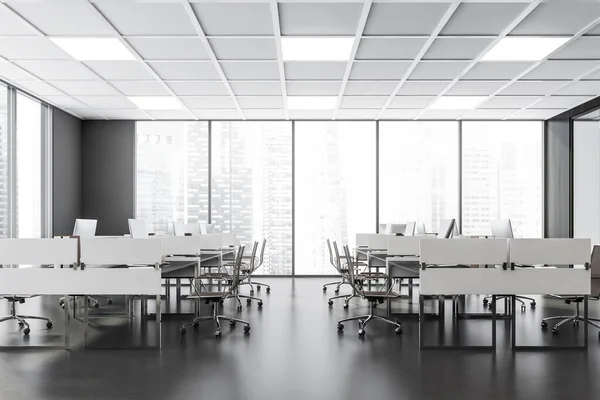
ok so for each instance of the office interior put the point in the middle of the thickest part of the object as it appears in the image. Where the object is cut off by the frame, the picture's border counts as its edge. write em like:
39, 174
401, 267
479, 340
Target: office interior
298, 199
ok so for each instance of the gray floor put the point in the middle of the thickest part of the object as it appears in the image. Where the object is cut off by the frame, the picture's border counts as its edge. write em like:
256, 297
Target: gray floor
295, 352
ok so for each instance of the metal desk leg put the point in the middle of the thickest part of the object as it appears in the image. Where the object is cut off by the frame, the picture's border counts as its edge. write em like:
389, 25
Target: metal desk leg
85, 321
585, 322
421, 318
178, 289
494, 322
67, 323
158, 332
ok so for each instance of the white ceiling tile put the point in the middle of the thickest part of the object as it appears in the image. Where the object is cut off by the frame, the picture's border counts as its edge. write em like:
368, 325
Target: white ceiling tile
169, 114
456, 48
244, 48
218, 114
10, 72
475, 88
312, 88
537, 114
400, 114
319, 18
246, 70
582, 48
10, 24
310, 70
374, 48
188, 70
482, 18
40, 88
124, 114
492, 70
441, 114
508, 102
120, 70
489, 114
30, 48
311, 114
438, 70
592, 76
147, 18
562, 101
558, 18
176, 48
366, 70
86, 113
422, 88
220, 102
418, 18
219, 19
193, 88
58, 70
83, 88
140, 88
264, 114
532, 88
581, 88
268, 102
106, 102
357, 114
256, 88
370, 88
561, 69
411, 101
363, 102
65, 101
63, 18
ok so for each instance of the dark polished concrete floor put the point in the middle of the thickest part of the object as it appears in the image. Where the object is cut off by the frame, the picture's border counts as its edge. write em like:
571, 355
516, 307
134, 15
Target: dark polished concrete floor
295, 352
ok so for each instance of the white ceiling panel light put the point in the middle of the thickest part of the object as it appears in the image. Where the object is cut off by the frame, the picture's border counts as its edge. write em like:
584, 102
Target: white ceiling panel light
311, 102
524, 48
155, 102
95, 49
316, 49
457, 102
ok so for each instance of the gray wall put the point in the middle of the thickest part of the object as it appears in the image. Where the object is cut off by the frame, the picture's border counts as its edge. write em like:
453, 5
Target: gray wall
557, 179
108, 149
66, 172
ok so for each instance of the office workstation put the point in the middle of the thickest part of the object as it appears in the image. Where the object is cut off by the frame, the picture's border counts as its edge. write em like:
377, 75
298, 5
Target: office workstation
295, 199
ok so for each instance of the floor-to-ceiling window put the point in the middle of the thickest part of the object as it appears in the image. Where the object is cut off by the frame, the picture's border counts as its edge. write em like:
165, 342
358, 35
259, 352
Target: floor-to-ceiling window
418, 172
172, 173
251, 187
4, 173
334, 189
502, 176
29, 167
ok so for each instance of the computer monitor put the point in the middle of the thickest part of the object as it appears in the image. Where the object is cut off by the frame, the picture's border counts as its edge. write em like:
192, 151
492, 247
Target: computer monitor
205, 229
501, 228
138, 228
85, 228
447, 227
183, 229
388, 229
410, 229
398, 228
421, 229
382, 228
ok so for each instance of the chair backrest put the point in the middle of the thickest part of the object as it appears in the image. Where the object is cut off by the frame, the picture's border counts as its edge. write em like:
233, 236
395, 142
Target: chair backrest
237, 267
501, 228
138, 229
85, 228
446, 228
595, 263
262, 254
338, 260
181, 229
351, 271
207, 228
410, 228
421, 229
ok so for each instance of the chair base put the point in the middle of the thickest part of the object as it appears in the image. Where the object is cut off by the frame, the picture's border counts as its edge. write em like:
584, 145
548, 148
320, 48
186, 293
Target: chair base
22, 319
364, 320
93, 300
570, 318
487, 303
216, 317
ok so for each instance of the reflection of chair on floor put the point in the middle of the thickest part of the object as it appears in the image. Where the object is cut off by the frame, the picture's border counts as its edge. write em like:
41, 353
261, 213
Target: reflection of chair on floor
373, 297
595, 273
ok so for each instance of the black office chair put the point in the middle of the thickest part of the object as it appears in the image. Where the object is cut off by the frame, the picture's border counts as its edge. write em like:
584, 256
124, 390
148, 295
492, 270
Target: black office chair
258, 262
373, 297
22, 319
217, 297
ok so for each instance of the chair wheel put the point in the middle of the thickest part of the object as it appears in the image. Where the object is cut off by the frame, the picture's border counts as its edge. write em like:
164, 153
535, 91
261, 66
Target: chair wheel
330, 302
361, 332
26, 331
340, 327
96, 305
490, 305
20, 323
345, 305
61, 303
62, 306
554, 331
398, 331
110, 301
251, 292
183, 331
532, 304
268, 290
260, 303
257, 287
324, 288
196, 324
523, 308
232, 324
544, 324
49, 324
336, 291
247, 328
485, 302
239, 307
206, 302
248, 301
217, 333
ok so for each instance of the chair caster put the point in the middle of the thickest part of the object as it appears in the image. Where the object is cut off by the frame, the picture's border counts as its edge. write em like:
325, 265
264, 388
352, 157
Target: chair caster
361, 333
544, 324
575, 323
340, 327
258, 287
532, 304
252, 293
345, 305
61, 303
110, 301
268, 290
217, 333
523, 308
206, 302
336, 291
247, 329
398, 331
196, 324
554, 331
490, 306
62, 306
330, 302
26, 331
485, 302
20, 323
96, 305
49, 324
239, 307
183, 331
260, 303
232, 324
324, 288
248, 301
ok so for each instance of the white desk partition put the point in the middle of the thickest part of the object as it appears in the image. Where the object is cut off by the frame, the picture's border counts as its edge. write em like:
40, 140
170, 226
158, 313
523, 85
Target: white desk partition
378, 242
38, 251
180, 229
120, 251
182, 245
550, 251
212, 241
228, 240
405, 245
464, 251
362, 239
